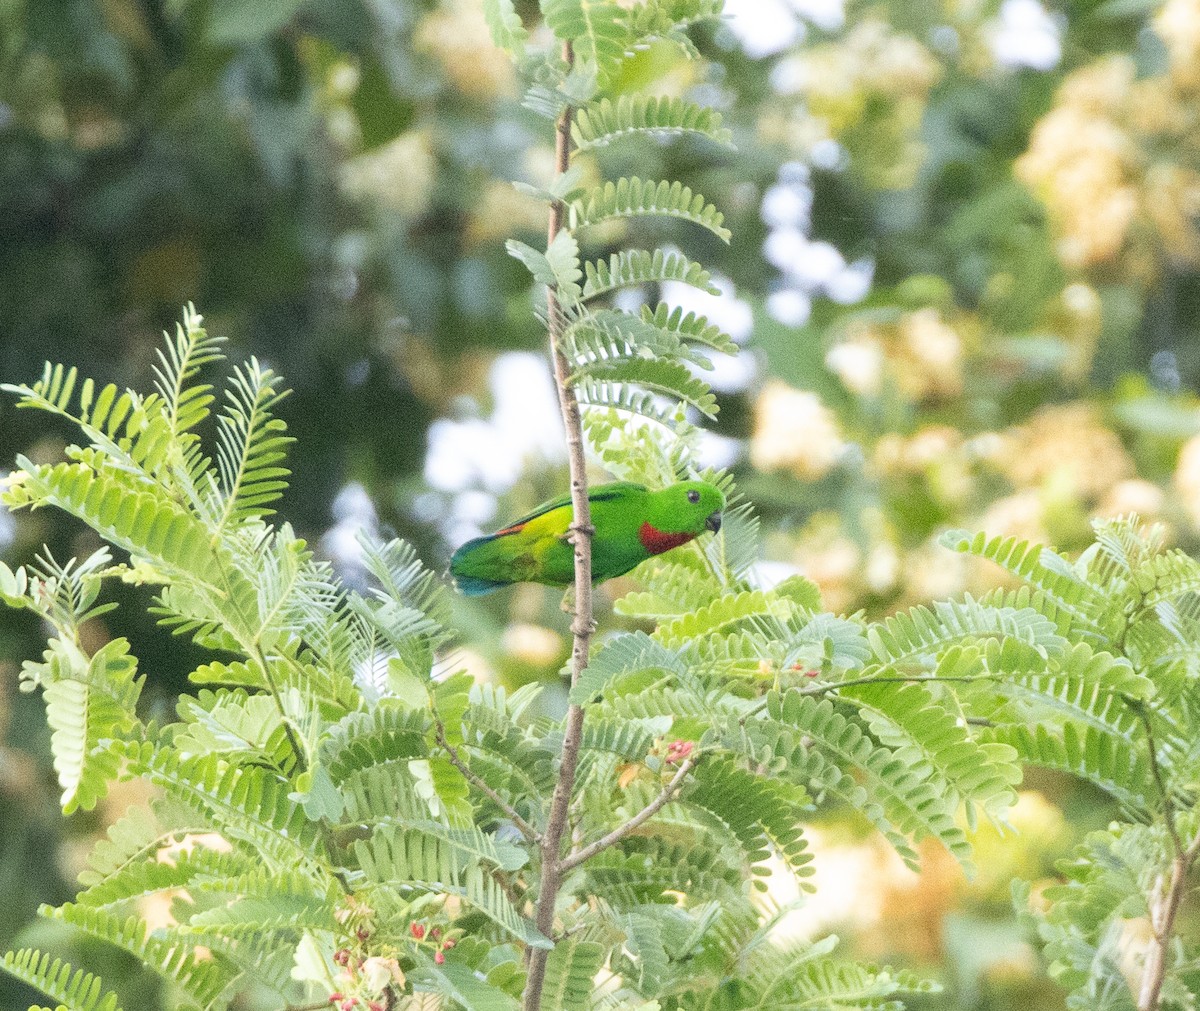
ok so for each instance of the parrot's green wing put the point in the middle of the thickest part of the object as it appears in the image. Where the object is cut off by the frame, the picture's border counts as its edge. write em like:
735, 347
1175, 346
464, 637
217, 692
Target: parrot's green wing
603, 493
530, 549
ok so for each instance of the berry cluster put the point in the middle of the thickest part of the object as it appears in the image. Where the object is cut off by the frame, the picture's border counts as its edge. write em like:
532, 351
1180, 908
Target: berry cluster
677, 751
439, 943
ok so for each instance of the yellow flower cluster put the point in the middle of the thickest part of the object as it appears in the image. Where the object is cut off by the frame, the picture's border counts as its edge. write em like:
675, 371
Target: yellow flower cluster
868, 91
1069, 445
1117, 160
1178, 25
922, 354
398, 176
457, 35
794, 432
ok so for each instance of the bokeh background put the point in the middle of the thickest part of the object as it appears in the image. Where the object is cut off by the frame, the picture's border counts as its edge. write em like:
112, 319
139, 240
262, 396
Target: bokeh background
965, 272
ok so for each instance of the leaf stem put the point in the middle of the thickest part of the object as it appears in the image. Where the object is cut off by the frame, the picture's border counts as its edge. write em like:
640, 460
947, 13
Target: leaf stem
668, 792
581, 624
527, 830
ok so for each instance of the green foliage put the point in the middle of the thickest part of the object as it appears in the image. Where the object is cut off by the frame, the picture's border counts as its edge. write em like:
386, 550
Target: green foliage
316, 788
75, 991
331, 801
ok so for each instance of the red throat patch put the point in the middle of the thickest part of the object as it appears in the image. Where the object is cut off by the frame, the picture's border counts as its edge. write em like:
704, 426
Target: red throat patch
657, 541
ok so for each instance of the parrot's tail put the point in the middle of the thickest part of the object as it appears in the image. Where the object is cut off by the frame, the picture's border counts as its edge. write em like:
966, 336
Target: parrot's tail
466, 564
472, 587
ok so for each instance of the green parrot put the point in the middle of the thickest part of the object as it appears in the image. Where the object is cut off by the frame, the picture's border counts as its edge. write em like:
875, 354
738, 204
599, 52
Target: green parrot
632, 523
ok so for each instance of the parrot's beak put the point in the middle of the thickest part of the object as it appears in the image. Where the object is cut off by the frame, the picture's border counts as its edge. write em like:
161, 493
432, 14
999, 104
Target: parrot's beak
713, 522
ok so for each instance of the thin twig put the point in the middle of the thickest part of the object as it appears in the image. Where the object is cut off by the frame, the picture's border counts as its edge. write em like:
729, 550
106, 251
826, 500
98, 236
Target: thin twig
581, 624
890, 679
527, 830
255, 652
572, 861
1159, 781
1166, 901
1162, 920
874, 679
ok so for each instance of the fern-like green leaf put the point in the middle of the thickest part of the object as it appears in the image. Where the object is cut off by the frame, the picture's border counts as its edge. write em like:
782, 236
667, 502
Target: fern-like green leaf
924, 735
595, 28
605, 121
595, 394
1110, 762
902, 802
1037, 565
689, 327
666, 378
505, 25
922, 631
75, 990
570, 971
186, 353
200, 977
634, 197
147, 524
640, 266
557, 267
251, 447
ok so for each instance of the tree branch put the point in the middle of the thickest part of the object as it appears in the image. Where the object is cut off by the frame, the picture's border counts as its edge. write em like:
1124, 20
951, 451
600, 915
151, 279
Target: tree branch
1162, 919
581, 624
527, 830
572, 861
1165, 904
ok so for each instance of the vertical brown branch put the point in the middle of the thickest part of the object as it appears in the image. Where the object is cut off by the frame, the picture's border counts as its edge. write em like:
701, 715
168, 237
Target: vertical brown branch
1163, 909
1167, 896
581, 624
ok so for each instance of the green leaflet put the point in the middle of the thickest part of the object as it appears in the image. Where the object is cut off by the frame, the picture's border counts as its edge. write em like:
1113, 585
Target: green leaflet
570, 971
505, 25
641, 266
633, 197
606, 120
595, 29
75, 990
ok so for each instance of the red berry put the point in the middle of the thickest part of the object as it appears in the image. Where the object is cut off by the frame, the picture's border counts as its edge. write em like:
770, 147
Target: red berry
374, 1005
449, 943
335, 997
342, 957
678, 750
439, 958
418, 931
347, 1004
362, 933
436, 933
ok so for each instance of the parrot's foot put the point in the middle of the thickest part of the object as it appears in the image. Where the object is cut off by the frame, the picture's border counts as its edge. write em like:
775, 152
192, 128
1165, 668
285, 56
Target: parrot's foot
582, 528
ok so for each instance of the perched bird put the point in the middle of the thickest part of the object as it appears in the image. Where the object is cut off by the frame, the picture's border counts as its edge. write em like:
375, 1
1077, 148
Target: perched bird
631, 522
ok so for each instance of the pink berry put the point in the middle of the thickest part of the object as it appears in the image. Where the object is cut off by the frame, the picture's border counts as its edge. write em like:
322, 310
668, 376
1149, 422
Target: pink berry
678, 750
335, 997
418, 931
439, 958
449, 943
342, 957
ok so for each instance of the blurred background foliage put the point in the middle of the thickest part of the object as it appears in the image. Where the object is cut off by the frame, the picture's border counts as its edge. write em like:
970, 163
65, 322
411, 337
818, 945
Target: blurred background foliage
966, 269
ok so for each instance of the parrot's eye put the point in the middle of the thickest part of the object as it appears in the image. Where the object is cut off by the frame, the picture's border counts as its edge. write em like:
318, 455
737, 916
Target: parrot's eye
693, 496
